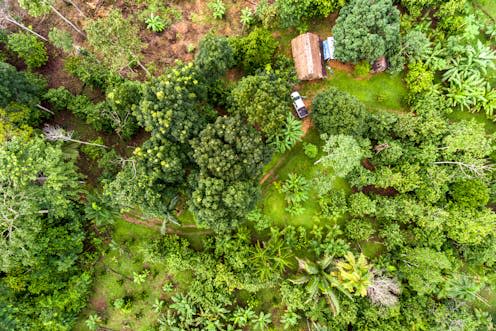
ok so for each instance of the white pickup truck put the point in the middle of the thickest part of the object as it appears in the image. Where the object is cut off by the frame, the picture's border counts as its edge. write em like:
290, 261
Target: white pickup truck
299, 105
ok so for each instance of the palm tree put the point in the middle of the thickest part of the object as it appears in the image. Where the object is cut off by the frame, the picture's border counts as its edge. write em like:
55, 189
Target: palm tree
320, 282
354, 274
242, 316
261, 321
463, 288
289, 319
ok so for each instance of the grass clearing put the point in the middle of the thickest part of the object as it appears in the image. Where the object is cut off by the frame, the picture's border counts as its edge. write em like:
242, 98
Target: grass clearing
380, 92
272, 202
114, 282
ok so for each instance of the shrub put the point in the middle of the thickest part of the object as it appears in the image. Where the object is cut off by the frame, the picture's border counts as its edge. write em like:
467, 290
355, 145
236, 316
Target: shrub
61, 39
155, 23
255, 50
356, 229
310, 150
337, 112
218, 9
362, 69
28, 48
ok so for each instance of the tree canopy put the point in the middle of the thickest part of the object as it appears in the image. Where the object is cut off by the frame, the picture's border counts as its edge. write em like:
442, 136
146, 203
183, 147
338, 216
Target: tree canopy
367, 30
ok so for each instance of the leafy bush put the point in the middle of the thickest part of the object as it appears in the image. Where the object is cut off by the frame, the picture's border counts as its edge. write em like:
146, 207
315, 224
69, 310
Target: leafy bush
362, 69
61, 39
31, 50
155, 23
255, 50
336, 112
218, 9
310, 150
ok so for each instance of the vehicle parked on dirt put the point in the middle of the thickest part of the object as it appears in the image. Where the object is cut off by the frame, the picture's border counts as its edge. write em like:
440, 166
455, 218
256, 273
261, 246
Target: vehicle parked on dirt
299, 105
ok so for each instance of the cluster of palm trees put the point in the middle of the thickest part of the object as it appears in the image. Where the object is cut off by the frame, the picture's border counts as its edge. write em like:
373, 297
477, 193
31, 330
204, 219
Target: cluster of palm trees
466, 76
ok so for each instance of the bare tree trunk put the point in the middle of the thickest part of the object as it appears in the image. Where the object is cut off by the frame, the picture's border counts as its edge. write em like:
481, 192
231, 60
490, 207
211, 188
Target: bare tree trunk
45, 109
22, 26
143, 67
86, 143
75, 6
67, 21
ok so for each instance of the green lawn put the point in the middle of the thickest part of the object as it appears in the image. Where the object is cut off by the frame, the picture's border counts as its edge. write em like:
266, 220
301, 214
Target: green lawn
294, 161
380, 92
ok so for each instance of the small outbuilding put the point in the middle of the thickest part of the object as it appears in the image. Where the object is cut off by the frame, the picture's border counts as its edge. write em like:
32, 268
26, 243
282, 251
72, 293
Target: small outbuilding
328, 49
307, 56
380, 65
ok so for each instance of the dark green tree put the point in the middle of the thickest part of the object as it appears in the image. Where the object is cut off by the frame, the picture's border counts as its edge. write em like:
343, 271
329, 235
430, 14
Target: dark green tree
214, 57
230, 155
337, 112
255, 50
264, 100
41, 222
367, 30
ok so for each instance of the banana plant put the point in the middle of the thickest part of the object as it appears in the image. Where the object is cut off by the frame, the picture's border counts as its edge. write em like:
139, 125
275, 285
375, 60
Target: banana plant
320, 282
354, 274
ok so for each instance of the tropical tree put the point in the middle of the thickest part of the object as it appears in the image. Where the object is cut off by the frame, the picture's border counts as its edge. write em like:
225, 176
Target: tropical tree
261, 321
28, 48
214, 57
264, 100
343, 153
242, 316
337, 112
289, 319
295, 190
367, 30
116, 40
463, 288
320, 282
291, 133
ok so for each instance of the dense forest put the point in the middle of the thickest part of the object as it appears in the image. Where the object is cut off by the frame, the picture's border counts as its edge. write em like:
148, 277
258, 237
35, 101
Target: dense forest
154, 174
